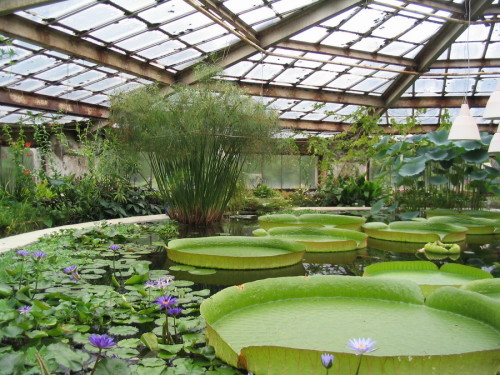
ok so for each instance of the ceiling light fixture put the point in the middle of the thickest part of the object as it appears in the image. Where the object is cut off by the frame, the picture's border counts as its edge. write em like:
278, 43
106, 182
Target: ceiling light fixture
465, 127
492, 111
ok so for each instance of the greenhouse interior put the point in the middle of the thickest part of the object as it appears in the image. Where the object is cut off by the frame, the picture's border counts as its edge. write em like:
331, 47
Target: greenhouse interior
260, 187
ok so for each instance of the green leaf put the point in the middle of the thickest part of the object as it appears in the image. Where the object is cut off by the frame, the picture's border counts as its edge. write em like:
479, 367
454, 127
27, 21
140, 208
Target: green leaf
36, 334
150, 340
137, 279
152, 362
411, 169
123, 330
12, 363
44, 370
438, 180
204, 271
439, 137
66, 357
479, 175
437, 154
476, 156
5, 290
112, 366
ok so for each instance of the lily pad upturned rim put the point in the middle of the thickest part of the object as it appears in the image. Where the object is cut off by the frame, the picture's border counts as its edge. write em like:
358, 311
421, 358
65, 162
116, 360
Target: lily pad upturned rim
474, 225
341, 289
178, 251
415, 231
319, 239
319, 220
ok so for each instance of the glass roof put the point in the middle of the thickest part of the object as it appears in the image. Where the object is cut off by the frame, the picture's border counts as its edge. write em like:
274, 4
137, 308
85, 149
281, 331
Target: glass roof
313, 61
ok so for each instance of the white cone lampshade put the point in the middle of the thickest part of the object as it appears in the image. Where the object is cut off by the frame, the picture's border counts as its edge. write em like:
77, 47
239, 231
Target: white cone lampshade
495, 142
492, 109
464, 127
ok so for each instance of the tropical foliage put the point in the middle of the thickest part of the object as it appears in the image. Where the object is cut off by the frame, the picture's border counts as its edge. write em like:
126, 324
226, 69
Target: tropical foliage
196, 140
428, 171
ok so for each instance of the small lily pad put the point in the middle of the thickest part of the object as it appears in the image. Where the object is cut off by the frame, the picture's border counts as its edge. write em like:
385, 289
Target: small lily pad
202, 271
182, 268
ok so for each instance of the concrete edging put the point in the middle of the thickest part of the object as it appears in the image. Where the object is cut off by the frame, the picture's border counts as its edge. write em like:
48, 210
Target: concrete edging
27, 238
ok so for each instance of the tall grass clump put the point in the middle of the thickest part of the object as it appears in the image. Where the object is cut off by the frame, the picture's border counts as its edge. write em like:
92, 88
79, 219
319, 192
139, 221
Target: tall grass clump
196, 139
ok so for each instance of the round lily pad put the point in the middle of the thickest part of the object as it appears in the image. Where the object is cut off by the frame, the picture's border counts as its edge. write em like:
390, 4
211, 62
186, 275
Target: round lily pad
314, 220
282, 326
202, 271
426, 274
474, 225
415, 231
487, 287
235, 252
466, 213
317, 239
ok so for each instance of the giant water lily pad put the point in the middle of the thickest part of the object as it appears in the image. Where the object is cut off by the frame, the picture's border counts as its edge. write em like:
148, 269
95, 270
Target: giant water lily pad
312, 220
487, 287
235, 252
427, 274
474, 225
319, 240
282, 326
466, 213
415, 231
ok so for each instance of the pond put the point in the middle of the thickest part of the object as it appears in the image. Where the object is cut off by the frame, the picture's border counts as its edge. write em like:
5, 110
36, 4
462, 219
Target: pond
480, 251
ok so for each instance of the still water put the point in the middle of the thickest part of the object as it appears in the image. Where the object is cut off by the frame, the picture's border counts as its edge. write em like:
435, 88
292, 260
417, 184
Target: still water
478, 251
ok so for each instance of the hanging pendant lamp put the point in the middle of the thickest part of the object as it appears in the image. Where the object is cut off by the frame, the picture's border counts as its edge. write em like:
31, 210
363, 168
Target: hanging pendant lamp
492, 109
464, 127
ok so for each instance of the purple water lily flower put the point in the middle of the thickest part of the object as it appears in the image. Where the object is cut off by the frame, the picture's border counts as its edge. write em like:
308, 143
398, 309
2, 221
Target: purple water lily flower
69, 269
327, 360
25, 309
114, 247
166, 301
23, 253
39, 254
361, 345
102, 341
149, 284
174, 311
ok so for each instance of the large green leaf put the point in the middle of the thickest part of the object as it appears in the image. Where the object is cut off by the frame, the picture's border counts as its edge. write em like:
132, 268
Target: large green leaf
426, 274
487, 287
250, 332
439, 137
112, 366
235, 252
437, 154
66, 357
412, 169
474, 225
319, 239
476, 156
319, 220
438, 180
415, 231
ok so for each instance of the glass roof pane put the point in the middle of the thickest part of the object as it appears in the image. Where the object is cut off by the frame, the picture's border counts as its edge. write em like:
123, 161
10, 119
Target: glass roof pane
320, 78
178, 57
312, 35
265, 71
162, 49
369, 84
363, 21
58, 9
142, 40
187, 24
133, 5
396, 48
393, 27
60, 71
472, 50
429, 86
119, 30
237, 6
493, 51
345, 81
284, 6
219, 43
85, 78
166, 11
368, 44
92, 17
203, 34
28, 85
475, 33
340, 39
421, 32
258, 14
293, 75
33, 64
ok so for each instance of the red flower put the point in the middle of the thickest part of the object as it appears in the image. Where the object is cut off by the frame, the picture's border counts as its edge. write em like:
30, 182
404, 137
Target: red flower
27, 144
27, 171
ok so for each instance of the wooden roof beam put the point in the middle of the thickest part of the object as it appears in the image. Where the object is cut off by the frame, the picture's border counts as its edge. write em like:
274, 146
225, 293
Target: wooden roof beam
430, 53
20, 28
291, 25
29, 100
11, 6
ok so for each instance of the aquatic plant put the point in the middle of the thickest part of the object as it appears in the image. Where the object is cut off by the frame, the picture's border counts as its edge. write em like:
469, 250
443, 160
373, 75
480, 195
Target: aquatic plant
327, 361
